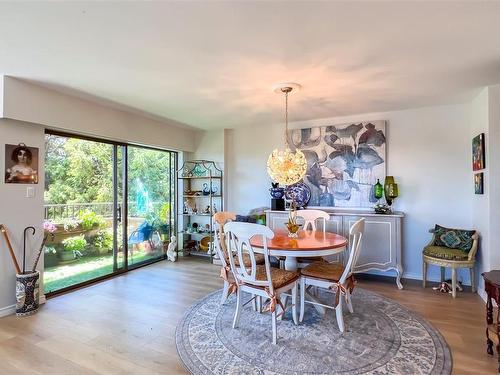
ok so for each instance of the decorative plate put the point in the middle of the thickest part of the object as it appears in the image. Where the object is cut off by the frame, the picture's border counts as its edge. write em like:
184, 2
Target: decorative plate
300, 193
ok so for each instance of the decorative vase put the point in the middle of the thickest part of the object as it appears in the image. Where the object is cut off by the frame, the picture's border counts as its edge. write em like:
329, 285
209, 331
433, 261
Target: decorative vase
378, 190
388, 180
291, 225
277, 192
27, 293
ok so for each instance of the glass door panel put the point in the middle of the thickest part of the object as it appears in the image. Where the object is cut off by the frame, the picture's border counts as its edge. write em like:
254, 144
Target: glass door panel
151, 194
79, 200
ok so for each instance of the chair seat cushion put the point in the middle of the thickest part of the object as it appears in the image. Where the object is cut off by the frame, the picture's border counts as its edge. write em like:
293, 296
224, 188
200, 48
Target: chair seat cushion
443, 252
259, 259
323, 270
279, 276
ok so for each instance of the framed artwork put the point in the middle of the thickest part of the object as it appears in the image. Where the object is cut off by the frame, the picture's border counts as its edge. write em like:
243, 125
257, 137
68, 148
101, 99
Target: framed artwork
21, 164
478, 183
343, 162
478, 152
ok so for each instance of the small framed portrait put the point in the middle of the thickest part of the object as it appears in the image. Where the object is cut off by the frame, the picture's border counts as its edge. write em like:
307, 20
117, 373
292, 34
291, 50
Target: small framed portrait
21, 164
478, 183
478, 152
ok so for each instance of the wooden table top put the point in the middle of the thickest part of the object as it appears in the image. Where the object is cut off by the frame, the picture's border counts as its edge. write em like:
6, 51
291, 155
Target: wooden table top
493, 277
307, 240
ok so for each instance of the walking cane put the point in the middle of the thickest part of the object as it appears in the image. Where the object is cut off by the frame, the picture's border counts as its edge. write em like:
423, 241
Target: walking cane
9, 245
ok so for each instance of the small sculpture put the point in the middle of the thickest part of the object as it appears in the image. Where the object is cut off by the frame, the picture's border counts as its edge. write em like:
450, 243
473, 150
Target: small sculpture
171, 250
206, 210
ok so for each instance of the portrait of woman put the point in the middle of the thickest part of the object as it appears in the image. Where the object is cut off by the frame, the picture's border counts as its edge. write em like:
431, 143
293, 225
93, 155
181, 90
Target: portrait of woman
21, 164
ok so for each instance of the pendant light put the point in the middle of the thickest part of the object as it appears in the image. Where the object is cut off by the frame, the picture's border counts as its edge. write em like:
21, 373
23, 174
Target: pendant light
286, 167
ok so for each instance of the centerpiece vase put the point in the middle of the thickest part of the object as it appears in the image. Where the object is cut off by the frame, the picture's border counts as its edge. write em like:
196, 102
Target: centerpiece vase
291, 225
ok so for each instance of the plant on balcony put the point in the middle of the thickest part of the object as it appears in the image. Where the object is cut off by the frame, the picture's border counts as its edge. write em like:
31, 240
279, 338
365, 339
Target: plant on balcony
50, 256
70, 224
90, 220
72, 247
103, 241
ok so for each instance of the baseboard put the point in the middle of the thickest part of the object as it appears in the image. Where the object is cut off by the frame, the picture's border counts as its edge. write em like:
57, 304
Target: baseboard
7, 310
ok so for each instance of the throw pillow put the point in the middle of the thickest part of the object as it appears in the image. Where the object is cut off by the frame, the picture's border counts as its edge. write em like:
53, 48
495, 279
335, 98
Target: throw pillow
453, 238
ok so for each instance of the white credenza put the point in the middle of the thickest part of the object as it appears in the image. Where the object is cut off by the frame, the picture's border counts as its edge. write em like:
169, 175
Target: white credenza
381, 246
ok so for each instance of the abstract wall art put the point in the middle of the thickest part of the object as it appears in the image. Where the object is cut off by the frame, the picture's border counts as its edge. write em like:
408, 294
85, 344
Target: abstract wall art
478, 152
478, 183
343, 162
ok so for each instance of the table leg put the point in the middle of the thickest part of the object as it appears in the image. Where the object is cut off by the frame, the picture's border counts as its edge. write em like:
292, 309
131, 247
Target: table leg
489, 310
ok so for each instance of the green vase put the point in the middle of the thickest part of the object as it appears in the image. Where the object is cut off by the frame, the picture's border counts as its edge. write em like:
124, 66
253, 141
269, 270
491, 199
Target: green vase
378, 190
388, 181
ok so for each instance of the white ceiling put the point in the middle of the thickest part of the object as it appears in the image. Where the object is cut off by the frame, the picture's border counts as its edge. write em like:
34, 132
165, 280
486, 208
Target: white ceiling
213, 64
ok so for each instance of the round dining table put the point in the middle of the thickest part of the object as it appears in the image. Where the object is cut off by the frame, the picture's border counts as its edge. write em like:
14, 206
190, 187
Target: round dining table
309, 243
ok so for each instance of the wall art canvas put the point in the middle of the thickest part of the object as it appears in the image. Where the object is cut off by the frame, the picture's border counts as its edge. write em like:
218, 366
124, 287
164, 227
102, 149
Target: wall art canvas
21, 164
343, 162
478, 183
478, 152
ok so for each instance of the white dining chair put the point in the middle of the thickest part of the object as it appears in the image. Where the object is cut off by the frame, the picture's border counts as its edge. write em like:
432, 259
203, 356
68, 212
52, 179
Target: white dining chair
334, 277
262, 281
220, 219
311, 219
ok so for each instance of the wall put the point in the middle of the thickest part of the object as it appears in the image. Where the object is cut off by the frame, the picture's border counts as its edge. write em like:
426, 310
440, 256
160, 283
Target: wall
25, 101
493, 165
480, 204
428, 152
16, 211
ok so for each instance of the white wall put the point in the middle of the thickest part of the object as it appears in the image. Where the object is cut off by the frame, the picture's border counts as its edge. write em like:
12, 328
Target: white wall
493, 165
428, 152
480, 204
25, 101
16, 211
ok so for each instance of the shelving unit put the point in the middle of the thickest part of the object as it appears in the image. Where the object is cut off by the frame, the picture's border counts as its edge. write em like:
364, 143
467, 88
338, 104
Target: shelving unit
201, 184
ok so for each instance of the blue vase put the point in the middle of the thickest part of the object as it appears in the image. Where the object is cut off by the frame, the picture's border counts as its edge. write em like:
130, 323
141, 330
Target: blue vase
277, 192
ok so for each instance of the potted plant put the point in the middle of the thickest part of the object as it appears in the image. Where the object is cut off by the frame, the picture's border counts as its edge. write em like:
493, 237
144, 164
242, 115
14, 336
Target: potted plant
73, 246
102, 242
50, 256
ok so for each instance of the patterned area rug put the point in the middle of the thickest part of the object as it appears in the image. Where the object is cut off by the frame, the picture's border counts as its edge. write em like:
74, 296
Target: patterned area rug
381, 337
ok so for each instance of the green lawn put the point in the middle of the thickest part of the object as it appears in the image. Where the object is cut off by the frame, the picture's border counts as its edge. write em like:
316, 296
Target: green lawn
84, 269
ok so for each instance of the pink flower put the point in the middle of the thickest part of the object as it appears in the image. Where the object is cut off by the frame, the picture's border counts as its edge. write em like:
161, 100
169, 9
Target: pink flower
49, 226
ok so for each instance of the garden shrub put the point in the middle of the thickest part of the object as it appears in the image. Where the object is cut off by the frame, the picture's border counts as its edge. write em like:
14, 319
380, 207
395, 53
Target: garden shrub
77, 243
90, 220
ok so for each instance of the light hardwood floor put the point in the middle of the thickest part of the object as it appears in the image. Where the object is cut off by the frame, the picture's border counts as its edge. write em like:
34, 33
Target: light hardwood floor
126, 325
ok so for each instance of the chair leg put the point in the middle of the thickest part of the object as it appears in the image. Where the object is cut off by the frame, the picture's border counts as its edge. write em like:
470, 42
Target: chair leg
349, 302
443, 270
424, 273
454, 282
473, 279
294, 305
237, 314
338, 313
302, 298
224, 292
259, 304
273, 321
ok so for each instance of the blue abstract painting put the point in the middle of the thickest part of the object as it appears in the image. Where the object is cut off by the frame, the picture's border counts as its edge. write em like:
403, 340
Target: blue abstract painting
343, 162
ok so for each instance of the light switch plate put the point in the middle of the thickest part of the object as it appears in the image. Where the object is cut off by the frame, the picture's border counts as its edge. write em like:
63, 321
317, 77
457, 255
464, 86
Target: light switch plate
30, 192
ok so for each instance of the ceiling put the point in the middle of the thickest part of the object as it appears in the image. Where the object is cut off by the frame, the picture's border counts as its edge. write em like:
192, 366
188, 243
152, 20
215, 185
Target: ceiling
213, 64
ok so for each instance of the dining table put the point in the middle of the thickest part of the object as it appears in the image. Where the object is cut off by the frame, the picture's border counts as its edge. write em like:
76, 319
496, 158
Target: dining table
307, 244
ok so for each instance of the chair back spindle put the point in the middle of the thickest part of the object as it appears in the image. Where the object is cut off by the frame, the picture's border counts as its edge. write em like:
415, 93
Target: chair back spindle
238, 237
355, 236
311, 216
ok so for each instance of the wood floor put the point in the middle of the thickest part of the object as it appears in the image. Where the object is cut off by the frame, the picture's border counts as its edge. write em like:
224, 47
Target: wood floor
126, 325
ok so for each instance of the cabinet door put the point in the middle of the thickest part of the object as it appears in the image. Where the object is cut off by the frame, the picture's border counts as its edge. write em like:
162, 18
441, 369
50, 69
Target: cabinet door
277, 220
378, 243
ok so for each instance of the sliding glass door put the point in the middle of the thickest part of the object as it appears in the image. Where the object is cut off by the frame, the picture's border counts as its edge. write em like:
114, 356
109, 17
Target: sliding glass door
151, 199
112, 205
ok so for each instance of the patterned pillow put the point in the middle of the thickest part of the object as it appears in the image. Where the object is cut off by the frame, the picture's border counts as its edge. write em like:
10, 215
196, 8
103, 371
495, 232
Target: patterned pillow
453, 238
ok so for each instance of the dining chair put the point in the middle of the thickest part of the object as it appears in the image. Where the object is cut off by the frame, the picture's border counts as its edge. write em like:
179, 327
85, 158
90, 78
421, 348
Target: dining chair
262, 281
334, 277
220, 219
311, 218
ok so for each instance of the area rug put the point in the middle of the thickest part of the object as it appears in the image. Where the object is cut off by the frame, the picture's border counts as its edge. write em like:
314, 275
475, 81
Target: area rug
382, 337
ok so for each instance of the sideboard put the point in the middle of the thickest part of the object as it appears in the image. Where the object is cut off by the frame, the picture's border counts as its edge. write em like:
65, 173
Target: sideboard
381, 246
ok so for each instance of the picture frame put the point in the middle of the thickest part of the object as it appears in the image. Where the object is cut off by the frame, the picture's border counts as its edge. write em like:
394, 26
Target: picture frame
21, 164
478, 153
479, 183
